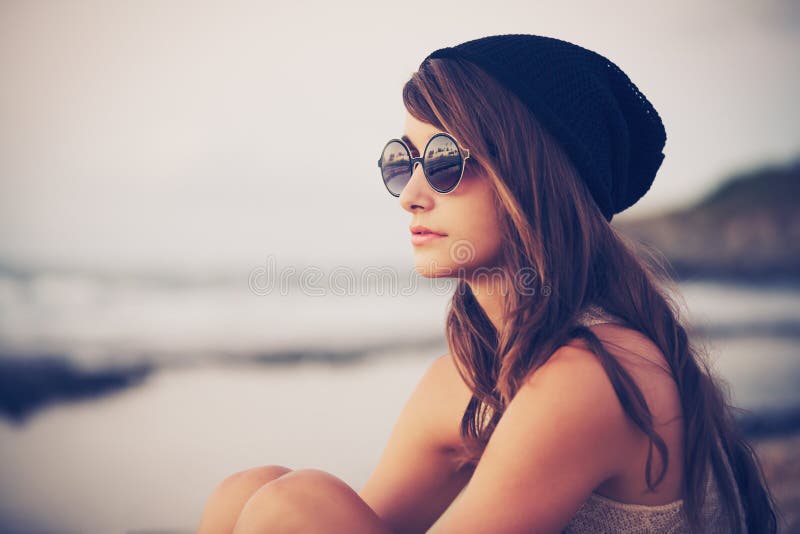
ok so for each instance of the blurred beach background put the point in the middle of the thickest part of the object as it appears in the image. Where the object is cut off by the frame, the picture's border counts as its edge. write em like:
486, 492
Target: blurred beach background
201, 270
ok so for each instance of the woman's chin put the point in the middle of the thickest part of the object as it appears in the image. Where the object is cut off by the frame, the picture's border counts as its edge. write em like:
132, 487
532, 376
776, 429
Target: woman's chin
432, 269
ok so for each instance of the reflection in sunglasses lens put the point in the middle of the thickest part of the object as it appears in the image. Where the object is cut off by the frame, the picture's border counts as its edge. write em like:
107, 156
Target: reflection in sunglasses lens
443, 163
395, 167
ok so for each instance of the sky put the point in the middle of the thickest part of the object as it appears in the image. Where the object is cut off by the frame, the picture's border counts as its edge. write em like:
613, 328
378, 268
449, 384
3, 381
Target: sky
206, 136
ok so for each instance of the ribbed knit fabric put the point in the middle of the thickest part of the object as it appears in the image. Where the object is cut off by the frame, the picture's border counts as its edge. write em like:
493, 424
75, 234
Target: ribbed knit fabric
601, 515
610, 131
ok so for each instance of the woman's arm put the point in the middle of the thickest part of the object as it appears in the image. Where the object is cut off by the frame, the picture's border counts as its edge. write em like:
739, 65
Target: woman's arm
416, 479
563, 434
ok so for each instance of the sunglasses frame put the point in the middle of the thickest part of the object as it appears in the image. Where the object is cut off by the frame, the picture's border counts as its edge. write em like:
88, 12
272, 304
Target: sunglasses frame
463, 152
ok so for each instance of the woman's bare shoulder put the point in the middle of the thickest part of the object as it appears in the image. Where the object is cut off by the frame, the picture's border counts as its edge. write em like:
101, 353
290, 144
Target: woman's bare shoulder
651, 372
452, 396
448, 376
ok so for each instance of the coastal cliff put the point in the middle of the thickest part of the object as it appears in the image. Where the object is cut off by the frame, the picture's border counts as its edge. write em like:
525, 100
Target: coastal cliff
747, 229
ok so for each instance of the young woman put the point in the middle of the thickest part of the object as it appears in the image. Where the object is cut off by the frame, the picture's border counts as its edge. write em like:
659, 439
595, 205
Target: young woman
572, 399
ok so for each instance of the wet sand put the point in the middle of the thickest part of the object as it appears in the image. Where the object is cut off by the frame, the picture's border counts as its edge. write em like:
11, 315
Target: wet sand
147, 457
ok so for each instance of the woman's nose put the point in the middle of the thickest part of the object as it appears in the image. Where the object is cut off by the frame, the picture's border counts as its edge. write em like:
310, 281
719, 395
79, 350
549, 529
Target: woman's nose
416, 193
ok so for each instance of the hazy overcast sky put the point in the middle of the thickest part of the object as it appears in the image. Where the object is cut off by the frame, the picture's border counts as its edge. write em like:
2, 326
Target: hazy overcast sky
207, 135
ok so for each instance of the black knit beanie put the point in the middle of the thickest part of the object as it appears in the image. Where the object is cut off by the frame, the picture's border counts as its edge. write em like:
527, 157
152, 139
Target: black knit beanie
610, 131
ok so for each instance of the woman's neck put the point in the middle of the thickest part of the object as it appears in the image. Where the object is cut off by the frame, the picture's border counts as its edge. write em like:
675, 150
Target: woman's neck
490, 293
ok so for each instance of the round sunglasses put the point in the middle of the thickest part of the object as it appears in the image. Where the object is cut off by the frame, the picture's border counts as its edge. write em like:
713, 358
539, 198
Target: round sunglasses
443, 163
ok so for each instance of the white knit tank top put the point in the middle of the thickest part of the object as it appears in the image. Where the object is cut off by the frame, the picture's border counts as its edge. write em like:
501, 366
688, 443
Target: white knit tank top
600, 515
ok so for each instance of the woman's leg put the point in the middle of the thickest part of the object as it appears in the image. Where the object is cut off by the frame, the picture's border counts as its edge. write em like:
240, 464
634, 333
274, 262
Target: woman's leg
308, 500
226, 502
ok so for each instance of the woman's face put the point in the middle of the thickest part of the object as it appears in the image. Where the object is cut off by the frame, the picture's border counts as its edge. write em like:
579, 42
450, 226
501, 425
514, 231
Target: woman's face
466, 215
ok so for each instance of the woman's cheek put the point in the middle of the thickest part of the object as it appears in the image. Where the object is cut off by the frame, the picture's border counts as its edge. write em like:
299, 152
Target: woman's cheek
474, 250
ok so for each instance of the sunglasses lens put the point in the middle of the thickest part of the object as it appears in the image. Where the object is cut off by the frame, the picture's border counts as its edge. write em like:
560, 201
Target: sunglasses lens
443, 163
395, 167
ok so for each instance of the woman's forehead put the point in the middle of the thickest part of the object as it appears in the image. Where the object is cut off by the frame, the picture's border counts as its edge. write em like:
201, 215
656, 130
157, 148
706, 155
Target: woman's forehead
418, 133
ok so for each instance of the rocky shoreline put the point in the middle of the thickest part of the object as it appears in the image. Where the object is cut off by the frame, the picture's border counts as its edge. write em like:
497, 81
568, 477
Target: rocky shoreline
748, 229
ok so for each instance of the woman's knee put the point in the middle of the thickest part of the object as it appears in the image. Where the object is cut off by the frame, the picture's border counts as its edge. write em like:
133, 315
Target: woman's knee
305, 500
231, 494
254, 477
295, 487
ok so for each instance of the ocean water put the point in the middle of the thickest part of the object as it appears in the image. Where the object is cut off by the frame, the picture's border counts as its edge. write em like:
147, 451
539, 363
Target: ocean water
98, 319
237, 376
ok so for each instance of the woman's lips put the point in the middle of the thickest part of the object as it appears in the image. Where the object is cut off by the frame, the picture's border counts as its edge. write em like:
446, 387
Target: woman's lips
426, 237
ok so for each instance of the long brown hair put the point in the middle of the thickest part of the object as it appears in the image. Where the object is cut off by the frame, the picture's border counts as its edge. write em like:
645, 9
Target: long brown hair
551, 225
